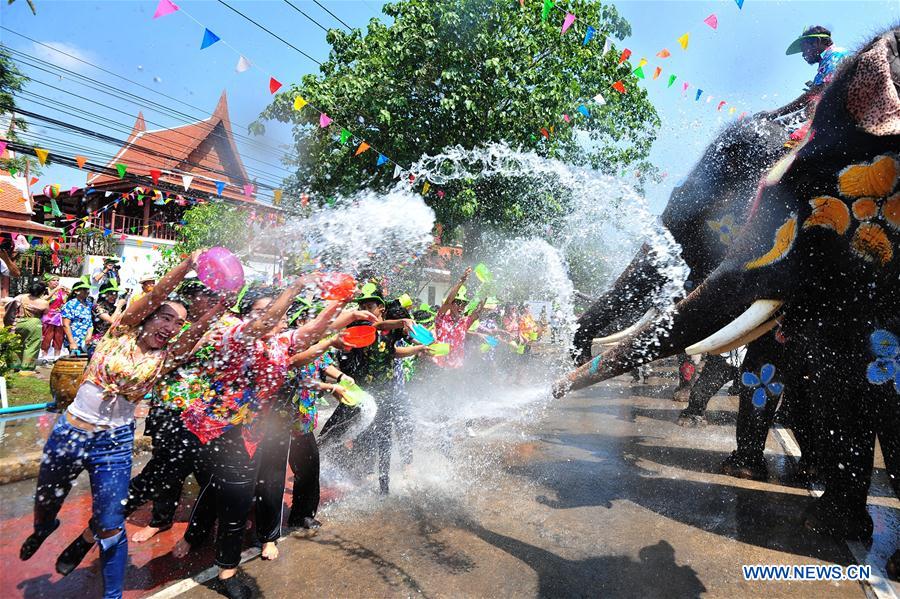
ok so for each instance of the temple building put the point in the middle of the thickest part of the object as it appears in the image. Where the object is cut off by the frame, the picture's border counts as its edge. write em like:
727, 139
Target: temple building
133, 208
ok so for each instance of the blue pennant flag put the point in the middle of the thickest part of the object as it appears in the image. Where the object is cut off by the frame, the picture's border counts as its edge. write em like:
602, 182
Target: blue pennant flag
740, 3
220, 186
588, 35
699, 93
583, 110
381, 160
209, 38
107, 232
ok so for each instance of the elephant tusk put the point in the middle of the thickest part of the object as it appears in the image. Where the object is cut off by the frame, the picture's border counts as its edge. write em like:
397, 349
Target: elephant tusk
616, 337
754, 322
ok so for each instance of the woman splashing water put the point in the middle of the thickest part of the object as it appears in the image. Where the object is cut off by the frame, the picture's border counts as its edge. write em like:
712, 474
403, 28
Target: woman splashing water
96, 433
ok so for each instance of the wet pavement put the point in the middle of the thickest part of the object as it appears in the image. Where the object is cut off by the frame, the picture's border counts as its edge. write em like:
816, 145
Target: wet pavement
603, 496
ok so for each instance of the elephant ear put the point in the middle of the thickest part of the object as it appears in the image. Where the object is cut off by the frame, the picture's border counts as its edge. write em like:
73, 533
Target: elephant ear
873, 96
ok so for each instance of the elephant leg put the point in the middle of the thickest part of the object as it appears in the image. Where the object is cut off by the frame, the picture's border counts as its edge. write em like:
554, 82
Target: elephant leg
754, 421
846, 424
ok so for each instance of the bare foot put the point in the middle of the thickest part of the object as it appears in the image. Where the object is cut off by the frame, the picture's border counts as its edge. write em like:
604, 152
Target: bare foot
269, 551
181, 549
144, 534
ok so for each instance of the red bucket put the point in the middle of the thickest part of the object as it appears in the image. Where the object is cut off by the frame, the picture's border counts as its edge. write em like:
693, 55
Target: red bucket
337, 286
358, 336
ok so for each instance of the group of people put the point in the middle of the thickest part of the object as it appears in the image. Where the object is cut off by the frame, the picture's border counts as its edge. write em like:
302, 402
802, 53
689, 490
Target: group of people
53, 320
234, 387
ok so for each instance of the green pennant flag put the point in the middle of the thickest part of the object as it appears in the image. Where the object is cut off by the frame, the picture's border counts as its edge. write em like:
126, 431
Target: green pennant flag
12, 170
545, 12
121, 168
133, 229
639, 72
672, 79
345, 135
46, 208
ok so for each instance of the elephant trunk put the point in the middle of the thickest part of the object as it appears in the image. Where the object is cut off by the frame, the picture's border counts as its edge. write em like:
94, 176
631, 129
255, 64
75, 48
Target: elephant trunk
628, 299
709, 308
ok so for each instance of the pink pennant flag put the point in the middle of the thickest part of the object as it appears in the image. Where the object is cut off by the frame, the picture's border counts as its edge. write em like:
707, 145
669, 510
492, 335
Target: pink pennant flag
165, 7
721, 104
712, 21
684, 86
2, 147
567, 22
566, 118
73, 190
248, 189
324, 120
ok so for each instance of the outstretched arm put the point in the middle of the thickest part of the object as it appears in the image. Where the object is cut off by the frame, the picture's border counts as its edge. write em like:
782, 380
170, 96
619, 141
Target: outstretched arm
146, 304
451, 295
260, 326
186, 343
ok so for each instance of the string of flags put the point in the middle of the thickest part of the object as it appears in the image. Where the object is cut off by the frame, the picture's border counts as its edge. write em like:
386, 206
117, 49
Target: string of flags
569, 19
345, 135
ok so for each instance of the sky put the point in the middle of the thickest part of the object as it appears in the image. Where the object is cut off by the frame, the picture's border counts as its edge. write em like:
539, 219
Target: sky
741, 62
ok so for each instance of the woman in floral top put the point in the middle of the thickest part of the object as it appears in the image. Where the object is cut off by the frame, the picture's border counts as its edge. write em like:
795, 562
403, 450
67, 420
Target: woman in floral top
252, 362
97, 431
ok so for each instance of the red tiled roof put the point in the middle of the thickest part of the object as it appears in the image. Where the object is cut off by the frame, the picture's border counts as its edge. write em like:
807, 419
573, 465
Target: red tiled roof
198, 149
27, 227
11, 199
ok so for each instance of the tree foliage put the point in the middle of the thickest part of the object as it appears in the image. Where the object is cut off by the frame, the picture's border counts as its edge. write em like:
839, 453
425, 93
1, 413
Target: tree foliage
11, 82
207, 225
468, 72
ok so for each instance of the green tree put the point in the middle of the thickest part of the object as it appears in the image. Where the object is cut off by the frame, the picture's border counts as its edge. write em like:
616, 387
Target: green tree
468, 72
11, 82
207, 225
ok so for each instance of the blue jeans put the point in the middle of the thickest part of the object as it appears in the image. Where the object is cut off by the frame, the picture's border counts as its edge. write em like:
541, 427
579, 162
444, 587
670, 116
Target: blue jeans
107, 457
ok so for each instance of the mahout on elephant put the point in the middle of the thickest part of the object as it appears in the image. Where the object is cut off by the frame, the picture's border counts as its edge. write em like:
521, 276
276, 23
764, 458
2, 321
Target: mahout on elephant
819, 250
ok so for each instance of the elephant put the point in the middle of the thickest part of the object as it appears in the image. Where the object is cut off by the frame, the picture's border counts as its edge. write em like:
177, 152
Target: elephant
704, 214
817, 255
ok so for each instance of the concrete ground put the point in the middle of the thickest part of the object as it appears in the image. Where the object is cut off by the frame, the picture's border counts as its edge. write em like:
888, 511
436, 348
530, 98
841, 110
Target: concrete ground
603, 496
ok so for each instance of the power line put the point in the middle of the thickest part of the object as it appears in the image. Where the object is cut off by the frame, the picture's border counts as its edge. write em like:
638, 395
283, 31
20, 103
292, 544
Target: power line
202, 111
319, 25
149, 104
337, 18
109, 139
275, 35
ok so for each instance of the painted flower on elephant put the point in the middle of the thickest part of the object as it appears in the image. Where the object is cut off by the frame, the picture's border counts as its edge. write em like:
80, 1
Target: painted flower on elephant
875, 197
886, 366
725, 228
763, 384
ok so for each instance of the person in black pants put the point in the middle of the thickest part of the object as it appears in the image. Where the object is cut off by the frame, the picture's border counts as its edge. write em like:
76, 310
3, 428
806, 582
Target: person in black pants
175, 449
716, 372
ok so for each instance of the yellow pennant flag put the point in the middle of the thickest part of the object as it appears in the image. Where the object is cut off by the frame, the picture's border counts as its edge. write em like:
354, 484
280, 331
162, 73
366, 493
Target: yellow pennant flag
277, 197
299, 102
362, 148
683, 40
41, 155
426, 187
642, 62
731, 110
139, 242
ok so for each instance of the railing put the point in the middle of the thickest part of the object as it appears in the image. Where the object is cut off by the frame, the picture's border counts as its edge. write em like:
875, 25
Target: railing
134, 225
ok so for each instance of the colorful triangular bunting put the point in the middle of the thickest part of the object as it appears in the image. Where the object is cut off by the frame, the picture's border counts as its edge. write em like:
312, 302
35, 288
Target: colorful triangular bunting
274, 85
299, 102
121, 169
362, 148
712, 21
567, 22
165, 7
209, 38
324, 120
41, 155
683, 41
242, 65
